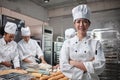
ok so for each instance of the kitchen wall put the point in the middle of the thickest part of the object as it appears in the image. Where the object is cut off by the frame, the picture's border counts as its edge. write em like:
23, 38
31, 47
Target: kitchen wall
34, 24
104, 14
105, 19
26, 7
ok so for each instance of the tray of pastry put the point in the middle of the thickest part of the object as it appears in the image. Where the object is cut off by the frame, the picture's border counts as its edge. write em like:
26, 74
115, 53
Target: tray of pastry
15, 76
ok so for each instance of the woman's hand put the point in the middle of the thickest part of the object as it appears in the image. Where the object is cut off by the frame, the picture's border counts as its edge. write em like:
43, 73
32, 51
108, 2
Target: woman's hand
92, 59
42, 59
7, 63
18, 68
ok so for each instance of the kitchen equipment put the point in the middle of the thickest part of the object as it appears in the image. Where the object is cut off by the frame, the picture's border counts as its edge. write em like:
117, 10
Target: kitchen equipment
47, 44
111, 48
104, 34
57, 45
57, 48
16, 76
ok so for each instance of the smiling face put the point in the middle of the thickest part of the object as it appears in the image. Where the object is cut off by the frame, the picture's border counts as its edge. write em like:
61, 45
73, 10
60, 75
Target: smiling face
26, 38
9, 37
82, 25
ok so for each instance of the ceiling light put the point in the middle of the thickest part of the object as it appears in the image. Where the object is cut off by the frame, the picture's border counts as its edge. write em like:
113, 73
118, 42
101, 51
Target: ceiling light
46, 1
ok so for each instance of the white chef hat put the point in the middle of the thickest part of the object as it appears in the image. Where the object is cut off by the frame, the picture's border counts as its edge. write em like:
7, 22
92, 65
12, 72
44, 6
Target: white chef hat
69, 33
10, 28
25, 31
81, 11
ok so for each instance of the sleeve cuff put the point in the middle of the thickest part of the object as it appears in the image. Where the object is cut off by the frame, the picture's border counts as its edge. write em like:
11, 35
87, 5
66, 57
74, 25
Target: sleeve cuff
77, 73
24, 57
16, 64
89, 67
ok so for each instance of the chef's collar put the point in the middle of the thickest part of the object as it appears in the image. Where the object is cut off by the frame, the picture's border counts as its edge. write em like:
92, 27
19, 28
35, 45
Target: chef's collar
85, 38
26, 42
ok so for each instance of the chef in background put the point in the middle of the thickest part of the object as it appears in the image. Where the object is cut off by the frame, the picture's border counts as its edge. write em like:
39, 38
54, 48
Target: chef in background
81, 57
69, 33
28, 49
9, 56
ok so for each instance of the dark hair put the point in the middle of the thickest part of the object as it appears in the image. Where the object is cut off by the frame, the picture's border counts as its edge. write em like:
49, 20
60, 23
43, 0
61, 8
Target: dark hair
2, 31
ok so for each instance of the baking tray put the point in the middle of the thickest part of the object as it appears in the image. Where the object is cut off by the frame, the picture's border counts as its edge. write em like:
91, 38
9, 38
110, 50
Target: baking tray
16, 76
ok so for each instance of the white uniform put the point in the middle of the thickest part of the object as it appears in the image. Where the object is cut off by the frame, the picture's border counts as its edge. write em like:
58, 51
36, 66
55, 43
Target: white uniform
83, 51
29, 50
9, 52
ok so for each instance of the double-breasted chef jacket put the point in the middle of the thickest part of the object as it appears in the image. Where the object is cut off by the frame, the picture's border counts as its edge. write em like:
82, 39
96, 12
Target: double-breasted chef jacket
85, 50
9, 52
29, 50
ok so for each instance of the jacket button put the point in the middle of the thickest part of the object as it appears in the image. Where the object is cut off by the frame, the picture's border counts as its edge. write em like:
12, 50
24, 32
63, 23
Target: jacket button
75, 50
85, 42
96, 52
84, 51
76, 42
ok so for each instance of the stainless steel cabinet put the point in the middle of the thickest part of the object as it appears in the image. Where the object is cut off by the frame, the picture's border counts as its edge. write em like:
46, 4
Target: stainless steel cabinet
47, 47
57, 48
111, 47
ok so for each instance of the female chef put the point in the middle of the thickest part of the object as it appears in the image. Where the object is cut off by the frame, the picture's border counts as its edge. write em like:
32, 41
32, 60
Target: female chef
8, 48
81, 57
28, 49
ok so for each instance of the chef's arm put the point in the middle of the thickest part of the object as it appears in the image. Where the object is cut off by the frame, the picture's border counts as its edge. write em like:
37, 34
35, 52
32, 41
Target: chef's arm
67, 69
23, 57
79, 64
40, 53
42, 59
26, 60
16, 60
98, 64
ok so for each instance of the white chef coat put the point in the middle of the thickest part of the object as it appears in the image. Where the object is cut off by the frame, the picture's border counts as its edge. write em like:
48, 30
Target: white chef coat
29, 50
84, 51
9, 52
